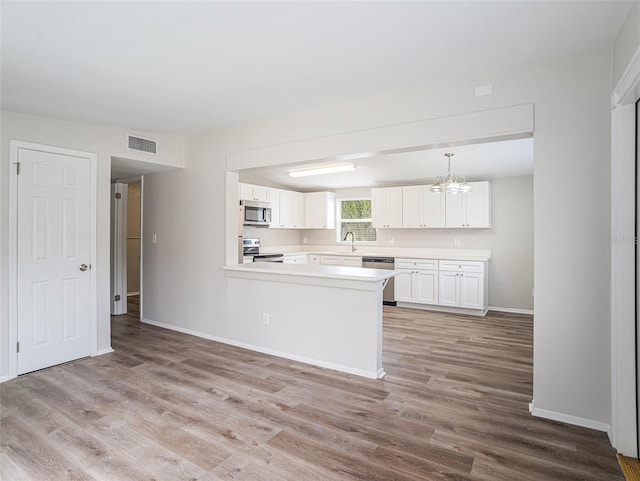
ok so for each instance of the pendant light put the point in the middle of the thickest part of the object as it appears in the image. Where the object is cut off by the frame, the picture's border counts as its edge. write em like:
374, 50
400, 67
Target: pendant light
451, 183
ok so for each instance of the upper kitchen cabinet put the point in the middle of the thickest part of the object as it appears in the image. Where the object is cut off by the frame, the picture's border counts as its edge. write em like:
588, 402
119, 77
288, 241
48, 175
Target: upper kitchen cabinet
320, 210
472, 209
254, 192
298, 210
281, 208
386, 207
422, 208
287, 209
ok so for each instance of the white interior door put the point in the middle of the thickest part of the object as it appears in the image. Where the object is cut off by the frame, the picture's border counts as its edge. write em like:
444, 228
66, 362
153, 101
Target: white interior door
53, 288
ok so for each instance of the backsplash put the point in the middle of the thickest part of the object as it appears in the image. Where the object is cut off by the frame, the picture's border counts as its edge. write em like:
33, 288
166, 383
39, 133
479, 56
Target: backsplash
273, 237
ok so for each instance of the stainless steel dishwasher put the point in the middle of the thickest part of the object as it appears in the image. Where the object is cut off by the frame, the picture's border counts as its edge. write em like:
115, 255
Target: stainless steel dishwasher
388, 295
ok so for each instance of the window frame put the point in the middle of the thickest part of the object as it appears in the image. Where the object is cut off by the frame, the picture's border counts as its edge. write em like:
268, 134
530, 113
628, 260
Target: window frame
339, 222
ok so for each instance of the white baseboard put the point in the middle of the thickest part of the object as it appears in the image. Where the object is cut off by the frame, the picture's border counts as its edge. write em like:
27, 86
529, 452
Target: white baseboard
567, 418
511, 310
272, 352
106, 350
451, 310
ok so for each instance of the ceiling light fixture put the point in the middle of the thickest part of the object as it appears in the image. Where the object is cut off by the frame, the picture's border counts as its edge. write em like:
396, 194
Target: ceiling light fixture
329, 169
450, 183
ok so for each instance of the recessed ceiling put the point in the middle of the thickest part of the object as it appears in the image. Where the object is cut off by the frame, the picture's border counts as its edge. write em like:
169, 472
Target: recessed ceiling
187, 67
486, 161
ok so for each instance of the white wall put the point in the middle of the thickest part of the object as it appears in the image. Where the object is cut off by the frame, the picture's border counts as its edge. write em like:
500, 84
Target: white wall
510, 240
104, 141
627, 42
572, 119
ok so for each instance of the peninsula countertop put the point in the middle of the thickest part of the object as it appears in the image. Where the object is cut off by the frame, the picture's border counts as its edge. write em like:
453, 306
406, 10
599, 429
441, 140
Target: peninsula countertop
315, 270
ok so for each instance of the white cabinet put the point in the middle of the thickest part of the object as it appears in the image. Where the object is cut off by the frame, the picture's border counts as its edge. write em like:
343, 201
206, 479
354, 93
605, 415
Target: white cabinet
446, 283
462, 284
287, 209
281, 208
422, 208
386, 207
295, 259
298, 210
418, 281
320, 210
351, 261
472, 209
274, 195
254, 192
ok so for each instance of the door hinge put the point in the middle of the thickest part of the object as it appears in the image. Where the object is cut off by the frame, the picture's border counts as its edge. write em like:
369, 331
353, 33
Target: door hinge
17, 168
17, 346
117, 297
118, 195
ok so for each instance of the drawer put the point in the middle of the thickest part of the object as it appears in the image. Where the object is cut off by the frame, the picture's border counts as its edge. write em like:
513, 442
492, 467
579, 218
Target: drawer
330, 260
462, 266
298, 259
352, 261
420, 264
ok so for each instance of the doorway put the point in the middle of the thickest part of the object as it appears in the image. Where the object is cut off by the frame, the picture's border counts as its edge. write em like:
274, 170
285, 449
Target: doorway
126, 246
134, 247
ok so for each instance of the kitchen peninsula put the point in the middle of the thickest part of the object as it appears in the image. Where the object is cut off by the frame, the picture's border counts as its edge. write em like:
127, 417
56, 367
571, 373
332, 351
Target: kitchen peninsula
328, 316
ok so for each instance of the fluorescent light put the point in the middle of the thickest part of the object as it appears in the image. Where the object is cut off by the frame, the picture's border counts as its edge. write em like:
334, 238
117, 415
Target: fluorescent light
330, 169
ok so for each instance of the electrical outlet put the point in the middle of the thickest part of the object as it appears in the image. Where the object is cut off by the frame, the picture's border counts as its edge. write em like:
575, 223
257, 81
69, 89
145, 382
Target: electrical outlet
390, 241
265, 318
484, 90
456, 241
305, 240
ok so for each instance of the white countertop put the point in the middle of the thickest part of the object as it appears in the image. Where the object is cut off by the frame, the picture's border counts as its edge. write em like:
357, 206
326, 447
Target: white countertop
374, 251
315, 270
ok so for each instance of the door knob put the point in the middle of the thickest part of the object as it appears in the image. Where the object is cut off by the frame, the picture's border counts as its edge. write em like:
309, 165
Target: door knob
84, 267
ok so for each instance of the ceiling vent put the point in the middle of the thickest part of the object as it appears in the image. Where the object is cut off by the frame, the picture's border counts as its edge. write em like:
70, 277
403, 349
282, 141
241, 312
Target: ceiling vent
143, 145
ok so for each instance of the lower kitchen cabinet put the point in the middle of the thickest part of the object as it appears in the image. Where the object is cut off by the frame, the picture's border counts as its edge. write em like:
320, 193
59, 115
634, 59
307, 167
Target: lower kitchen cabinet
462, 284
418, 281
447, 283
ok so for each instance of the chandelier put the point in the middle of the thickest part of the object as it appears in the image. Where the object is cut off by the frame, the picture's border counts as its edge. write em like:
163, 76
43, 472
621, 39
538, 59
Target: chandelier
451, 183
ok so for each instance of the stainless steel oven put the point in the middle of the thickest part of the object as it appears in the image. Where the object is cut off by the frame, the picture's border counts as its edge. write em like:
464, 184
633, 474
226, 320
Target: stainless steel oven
251, 247
268, 258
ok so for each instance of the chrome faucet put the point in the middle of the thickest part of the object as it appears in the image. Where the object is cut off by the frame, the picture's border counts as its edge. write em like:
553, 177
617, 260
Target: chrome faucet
353, 246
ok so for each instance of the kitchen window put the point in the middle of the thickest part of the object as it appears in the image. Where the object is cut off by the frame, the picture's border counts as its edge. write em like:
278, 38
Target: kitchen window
354, 215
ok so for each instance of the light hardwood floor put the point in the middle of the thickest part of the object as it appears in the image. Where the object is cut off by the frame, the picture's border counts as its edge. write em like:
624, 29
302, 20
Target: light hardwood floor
168, 406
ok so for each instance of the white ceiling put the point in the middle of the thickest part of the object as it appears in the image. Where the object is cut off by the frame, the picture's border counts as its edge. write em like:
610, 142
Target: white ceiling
485, 161
186, 67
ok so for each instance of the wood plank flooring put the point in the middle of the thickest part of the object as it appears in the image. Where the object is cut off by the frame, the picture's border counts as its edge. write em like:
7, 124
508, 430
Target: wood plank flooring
168, 406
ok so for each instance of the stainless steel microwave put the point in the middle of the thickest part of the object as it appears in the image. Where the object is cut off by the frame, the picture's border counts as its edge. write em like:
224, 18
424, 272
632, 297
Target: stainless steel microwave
255, 213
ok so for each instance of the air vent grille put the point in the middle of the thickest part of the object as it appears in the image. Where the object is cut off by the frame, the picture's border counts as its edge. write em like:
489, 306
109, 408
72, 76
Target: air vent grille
143, 145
